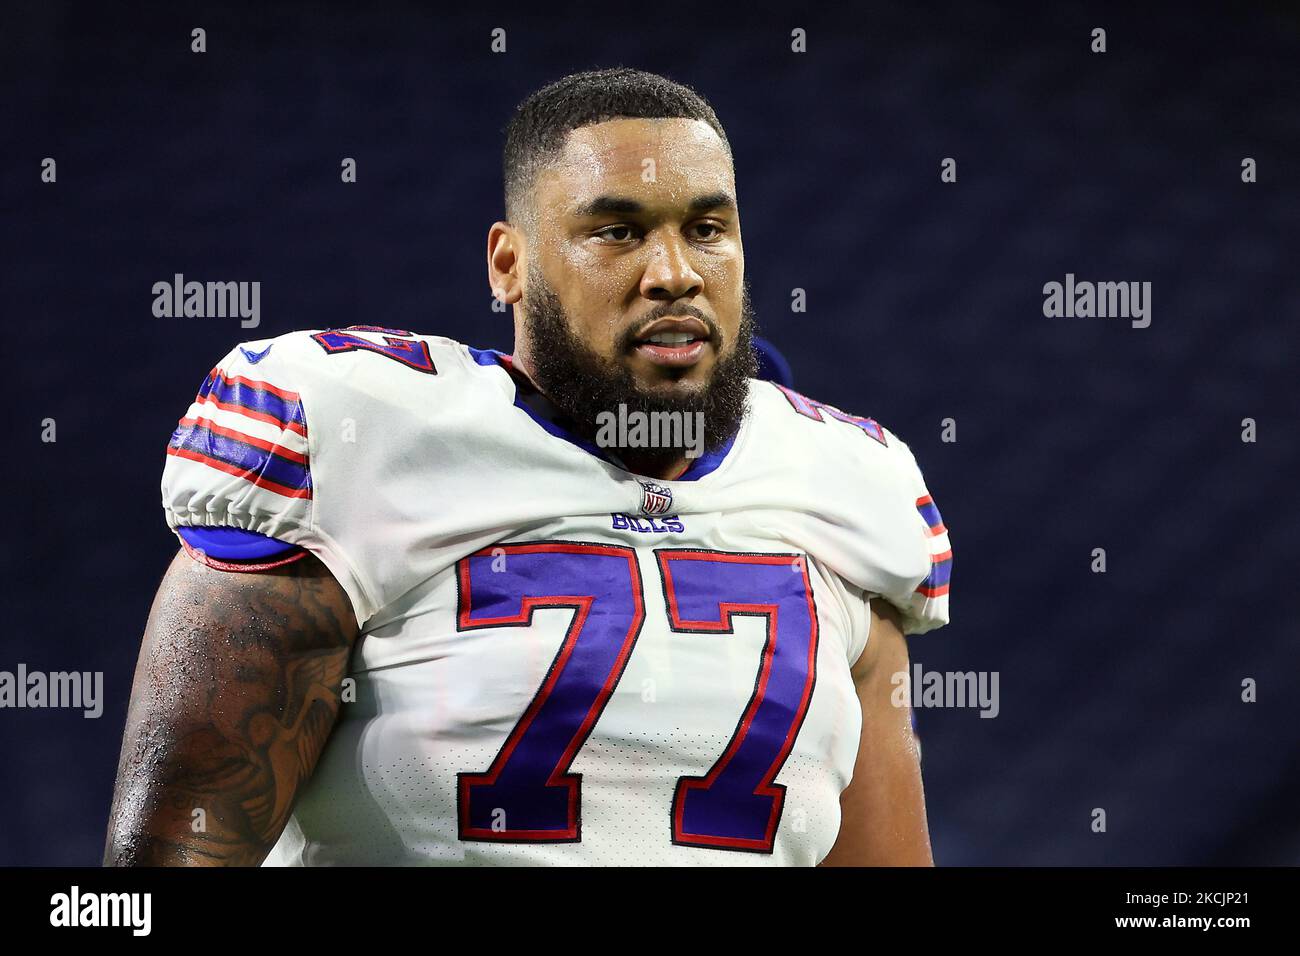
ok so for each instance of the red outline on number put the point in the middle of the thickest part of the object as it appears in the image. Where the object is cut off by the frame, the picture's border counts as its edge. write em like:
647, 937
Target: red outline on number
376, 328
365, 345
811, 408
582, 605
724, 626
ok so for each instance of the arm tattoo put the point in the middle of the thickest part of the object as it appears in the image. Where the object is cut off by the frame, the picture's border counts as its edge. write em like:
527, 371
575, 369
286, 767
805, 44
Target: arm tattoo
236, 690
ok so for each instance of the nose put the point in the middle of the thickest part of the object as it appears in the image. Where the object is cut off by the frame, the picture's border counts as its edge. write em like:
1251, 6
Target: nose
669, 274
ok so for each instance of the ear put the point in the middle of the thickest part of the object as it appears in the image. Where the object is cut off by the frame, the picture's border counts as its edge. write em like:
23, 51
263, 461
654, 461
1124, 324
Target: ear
505, 250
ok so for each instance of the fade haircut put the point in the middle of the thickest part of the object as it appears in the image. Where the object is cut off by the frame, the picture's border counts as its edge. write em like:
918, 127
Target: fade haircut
541, 124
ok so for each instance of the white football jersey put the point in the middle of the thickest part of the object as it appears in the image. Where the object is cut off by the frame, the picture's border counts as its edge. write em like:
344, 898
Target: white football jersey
562, 662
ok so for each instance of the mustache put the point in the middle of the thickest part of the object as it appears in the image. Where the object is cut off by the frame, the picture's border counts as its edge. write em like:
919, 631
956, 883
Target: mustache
627, 339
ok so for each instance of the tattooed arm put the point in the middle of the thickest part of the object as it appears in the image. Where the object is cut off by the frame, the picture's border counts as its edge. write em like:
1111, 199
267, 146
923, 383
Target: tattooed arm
236, 690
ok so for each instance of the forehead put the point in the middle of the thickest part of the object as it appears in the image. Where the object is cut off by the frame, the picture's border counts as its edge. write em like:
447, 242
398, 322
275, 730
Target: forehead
689, 158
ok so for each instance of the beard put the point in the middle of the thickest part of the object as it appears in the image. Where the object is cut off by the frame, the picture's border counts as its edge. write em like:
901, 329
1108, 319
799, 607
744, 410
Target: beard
582, 383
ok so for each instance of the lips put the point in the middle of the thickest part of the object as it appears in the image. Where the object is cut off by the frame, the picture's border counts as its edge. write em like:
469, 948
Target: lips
674, 342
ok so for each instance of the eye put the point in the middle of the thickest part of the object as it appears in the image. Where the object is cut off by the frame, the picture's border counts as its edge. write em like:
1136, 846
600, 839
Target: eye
714, 230
619, 232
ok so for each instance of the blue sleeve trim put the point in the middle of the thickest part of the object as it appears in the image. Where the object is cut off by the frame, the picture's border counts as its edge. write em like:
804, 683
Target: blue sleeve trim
233, 544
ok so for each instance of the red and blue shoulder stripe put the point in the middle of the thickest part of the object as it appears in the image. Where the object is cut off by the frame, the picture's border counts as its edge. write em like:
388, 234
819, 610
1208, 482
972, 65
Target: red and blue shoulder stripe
937, 581
227, 429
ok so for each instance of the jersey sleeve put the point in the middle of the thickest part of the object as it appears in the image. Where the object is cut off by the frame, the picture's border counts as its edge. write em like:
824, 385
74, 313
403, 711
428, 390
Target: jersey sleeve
925, 606
241, 458
233, 549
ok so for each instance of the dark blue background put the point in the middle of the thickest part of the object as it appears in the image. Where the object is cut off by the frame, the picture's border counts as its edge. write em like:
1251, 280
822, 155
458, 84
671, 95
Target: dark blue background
1118, 690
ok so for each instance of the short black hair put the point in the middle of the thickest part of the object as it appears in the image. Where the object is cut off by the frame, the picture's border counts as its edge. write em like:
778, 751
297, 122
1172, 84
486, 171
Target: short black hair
543, 121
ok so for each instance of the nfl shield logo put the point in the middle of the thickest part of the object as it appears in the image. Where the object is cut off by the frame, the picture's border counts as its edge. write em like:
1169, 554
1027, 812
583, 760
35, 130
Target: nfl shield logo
655, 499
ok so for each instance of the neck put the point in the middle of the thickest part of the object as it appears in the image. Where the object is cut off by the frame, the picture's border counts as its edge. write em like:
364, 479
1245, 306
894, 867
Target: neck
665, 467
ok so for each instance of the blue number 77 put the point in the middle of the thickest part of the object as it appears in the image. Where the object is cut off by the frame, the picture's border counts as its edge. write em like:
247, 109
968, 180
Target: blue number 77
528, 793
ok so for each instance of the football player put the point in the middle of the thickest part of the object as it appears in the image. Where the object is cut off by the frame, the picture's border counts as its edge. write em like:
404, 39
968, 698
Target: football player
430, 609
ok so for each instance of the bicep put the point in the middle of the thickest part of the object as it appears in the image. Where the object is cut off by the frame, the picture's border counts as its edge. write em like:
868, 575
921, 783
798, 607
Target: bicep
236, 689
883, 808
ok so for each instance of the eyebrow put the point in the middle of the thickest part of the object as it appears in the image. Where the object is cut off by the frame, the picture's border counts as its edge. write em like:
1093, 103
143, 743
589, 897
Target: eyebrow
622, 205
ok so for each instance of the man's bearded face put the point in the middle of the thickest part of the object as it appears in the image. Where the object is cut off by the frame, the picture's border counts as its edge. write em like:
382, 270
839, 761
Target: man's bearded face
583, 383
